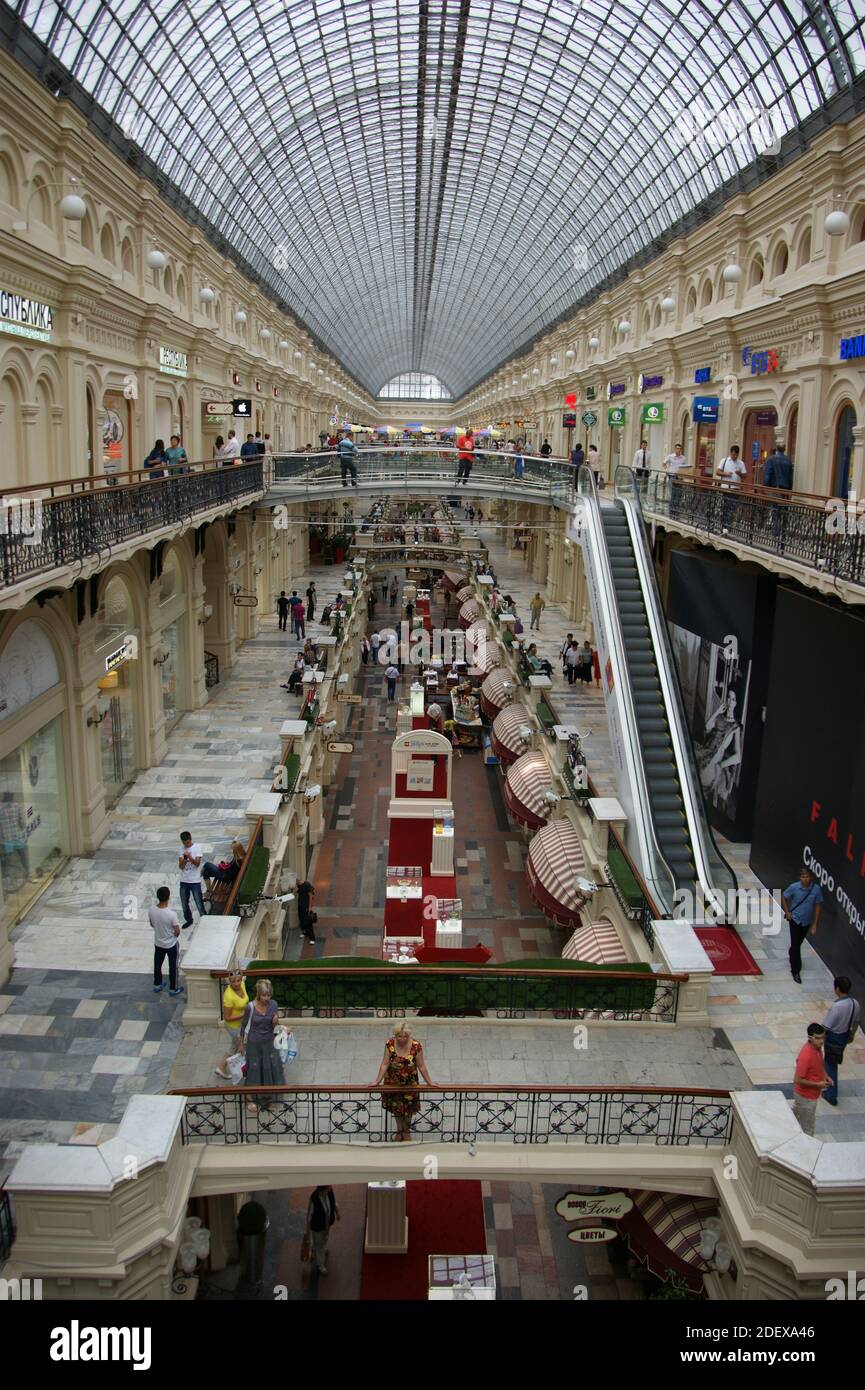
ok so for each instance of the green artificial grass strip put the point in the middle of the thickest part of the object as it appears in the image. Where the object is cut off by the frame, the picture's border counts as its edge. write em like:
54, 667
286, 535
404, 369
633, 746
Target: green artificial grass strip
625, 881
254, 879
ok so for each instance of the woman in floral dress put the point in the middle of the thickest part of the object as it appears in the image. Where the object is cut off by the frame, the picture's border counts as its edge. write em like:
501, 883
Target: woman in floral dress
402, 1060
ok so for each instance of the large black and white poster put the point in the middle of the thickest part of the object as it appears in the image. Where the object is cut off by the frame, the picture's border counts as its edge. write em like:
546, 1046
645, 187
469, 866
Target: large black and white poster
810, 803
715, 610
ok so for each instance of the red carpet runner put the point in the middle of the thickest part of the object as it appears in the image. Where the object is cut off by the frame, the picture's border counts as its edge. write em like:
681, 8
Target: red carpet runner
444, 1218
727, 951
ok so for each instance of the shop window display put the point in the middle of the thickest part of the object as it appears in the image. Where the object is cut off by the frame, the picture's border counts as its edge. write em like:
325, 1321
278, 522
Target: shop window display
32, 834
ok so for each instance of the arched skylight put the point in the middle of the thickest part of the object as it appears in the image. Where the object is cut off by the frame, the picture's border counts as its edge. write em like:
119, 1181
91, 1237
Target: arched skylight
416, 386
436, 183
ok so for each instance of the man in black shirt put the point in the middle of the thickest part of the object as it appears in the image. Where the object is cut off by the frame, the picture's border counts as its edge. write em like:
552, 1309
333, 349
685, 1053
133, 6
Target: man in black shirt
305, 916
282, 611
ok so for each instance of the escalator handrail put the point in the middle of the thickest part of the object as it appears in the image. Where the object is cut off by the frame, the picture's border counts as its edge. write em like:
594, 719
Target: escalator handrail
644, 823
696, 811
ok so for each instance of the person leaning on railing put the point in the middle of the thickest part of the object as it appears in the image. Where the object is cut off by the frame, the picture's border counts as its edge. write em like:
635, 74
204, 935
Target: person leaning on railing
157, 455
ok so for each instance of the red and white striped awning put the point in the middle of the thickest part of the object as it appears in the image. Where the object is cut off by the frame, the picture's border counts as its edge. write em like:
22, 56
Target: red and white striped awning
479, 628
454, 580
470, 612
555, 862
663, 1230
497, 691
505, 733
527, 780
465, 592
597, 943
490, 659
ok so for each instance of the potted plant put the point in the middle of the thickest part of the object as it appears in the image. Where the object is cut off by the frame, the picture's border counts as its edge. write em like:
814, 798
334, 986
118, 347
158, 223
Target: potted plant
338, 545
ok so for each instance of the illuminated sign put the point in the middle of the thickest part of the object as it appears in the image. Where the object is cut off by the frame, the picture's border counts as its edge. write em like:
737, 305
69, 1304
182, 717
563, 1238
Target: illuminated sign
852, 347
649, 383
761, 360
569, 420
616, 416
706, 409
702, 375
615, 389
652, 414
127, 652
172, 361
26, 318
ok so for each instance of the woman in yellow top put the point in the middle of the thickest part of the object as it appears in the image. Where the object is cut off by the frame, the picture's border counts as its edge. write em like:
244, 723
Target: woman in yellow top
234, 1002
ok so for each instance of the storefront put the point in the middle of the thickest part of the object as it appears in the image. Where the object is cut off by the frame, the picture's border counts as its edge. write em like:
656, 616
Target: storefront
115, 431
616, 420
652, 430
843, 451
705, 416
117, 650
33, 830
758, 440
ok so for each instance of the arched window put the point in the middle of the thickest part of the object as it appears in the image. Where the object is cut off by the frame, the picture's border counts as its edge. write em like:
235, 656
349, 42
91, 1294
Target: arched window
416, 386
706, 296
780, 261
13, 447
106, 243
656, 319
857, 230
181, 289
168, 281
803, 253
755, 272
8, 182
41, 209
128, 257
691, 301
88, 235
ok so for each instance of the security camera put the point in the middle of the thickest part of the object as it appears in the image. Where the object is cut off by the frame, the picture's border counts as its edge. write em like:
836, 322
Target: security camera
285, 898
330, 726
551, 798
525, 731
312, 792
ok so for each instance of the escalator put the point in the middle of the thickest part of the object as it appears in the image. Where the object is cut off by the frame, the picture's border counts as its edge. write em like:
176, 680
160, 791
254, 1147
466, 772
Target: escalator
667, 827
662, 776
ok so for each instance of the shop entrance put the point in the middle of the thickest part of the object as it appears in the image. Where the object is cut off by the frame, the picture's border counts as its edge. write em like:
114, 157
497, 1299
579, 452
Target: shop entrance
758, 441
705, 449
843, 451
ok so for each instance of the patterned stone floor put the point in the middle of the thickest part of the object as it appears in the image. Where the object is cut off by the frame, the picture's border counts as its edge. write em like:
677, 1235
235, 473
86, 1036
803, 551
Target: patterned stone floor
534, 1260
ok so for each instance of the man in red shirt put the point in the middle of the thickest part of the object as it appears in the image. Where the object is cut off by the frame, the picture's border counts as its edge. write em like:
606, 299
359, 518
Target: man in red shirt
466, 447
809, 1078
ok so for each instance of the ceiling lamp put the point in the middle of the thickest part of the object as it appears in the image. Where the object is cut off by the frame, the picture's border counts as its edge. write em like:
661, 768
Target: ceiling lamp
240, 316
206, 294
732, 273
624, 325
73, 208
668, 304
157, 260
594, 341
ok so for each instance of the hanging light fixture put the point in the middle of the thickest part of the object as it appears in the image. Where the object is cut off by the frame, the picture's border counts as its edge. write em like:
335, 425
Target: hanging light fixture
206, 294
73, 208
668, 304
265, 333
837, 223
570, 353
157, 260
624, 325
240, 316
284, 343
732, 272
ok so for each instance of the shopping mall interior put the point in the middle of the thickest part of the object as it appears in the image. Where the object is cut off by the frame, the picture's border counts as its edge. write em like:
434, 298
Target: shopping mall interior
432, 637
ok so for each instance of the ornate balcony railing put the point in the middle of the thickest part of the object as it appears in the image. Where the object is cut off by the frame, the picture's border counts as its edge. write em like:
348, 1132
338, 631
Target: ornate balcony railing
47, 528
649, 1115
810, 530
618, 996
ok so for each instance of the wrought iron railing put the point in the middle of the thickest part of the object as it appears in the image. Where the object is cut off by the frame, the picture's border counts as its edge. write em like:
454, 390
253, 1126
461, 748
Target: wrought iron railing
48, 528
649, 1115
617, 996
811, 530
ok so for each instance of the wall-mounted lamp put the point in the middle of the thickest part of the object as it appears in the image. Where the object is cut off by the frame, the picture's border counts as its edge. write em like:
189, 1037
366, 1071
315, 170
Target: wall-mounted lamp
94, 720
206, 294
156, 259
72, 207
205, 615
161, 660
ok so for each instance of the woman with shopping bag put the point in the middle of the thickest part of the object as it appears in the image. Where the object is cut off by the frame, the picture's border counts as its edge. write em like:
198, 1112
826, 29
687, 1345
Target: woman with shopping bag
263, 1062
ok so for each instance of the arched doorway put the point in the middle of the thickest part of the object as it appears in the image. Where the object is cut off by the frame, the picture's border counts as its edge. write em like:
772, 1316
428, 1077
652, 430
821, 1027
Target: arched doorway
116, 644
758, 440
792, 433
843, 452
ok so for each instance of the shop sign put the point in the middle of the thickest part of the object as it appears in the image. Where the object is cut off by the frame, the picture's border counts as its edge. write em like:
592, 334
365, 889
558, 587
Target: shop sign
616, 416
852, 347
172, 361
590, 393
242, 409
219, 409
346, 697
706, 409
26, 318
766, 417
340, 747
571, 399
648, 383
419, 743
127, 652
702, 375
593, 1235
761, 360
569, 420
616, 388
609, 1206
652, 414
589, 418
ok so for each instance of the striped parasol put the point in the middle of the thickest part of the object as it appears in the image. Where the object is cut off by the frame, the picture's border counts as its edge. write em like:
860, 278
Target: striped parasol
663, 1229
465, 592
469, 613
527, 780
597, 943
496, 692
507, 742
555, 862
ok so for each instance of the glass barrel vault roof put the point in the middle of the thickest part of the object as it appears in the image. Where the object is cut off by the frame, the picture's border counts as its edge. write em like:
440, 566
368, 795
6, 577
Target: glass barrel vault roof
432, 183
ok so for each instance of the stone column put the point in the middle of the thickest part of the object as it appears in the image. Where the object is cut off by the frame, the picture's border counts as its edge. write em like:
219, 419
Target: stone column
857, 461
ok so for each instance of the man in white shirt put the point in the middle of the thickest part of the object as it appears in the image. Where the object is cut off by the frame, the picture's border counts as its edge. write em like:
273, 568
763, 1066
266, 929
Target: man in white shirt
166, 930
731, 469
231, 448
642, 460
676, 461
190, 861
392, 676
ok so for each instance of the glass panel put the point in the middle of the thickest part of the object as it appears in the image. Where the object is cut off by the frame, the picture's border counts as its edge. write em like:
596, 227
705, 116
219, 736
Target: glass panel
32, 829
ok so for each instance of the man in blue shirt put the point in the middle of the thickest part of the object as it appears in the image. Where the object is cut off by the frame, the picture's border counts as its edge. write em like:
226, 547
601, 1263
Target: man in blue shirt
347, 450
249, 450
778, 471
802, 903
